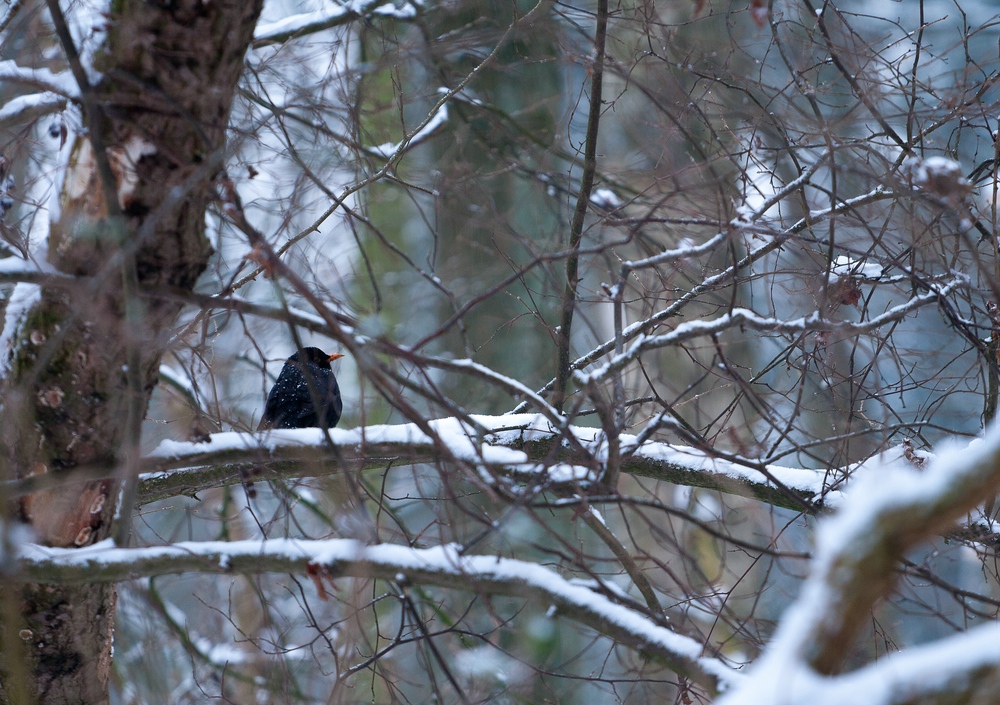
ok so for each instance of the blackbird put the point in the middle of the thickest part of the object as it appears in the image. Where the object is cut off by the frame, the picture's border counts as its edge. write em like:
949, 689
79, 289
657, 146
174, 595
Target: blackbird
291, 402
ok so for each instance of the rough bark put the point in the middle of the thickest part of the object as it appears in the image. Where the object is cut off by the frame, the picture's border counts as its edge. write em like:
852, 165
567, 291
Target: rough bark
169, 74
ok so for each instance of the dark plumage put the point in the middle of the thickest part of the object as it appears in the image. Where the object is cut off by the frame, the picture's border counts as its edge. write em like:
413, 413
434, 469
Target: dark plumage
292, 404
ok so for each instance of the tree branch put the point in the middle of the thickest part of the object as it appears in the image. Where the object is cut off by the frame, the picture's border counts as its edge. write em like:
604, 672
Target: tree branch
442, 566
582, 206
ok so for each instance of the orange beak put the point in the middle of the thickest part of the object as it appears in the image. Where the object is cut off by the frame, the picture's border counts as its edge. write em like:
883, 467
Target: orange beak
334, 356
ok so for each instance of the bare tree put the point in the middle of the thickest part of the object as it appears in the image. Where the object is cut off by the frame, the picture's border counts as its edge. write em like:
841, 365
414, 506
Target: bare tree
660, 322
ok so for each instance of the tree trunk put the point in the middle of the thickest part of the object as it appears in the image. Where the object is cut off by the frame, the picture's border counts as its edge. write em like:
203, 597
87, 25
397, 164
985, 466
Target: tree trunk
169, 74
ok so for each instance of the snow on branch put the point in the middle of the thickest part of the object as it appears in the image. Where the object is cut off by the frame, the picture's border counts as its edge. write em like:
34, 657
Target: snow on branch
443, 566
647, 325
508, 384
746, 218
59, 83
20, 302
952, 670
434, 122
744, 318
30, 107
685, 251
844, 266
524, 448
858, 550
14, 270
309, 22
514, 444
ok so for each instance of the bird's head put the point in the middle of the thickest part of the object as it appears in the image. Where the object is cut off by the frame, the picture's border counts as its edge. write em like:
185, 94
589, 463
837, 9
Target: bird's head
315, 356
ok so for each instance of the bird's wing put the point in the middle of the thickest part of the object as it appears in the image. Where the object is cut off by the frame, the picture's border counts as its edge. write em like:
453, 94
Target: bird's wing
287, 400
290, 403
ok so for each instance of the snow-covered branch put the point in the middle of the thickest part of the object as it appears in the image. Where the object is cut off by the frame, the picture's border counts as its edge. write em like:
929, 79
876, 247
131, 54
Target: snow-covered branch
744, 221
649, 324
956, 670
744, 318
59, 83
30, 107
443, 566
887, 513
310, 22
515, 443
434, 122
14, 270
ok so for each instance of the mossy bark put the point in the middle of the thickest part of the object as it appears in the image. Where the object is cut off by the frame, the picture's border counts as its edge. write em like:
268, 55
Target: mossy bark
169, 75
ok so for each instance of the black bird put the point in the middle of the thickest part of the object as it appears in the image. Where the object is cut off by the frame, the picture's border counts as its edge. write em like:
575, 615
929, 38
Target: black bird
292, 400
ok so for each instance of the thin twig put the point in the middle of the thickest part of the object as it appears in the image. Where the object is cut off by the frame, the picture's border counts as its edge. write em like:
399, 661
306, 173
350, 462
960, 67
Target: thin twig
582, 206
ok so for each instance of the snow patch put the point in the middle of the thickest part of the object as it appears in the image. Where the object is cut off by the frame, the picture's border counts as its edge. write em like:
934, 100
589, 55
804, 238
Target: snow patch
76, 181
335, 14
445, 561
124, 160
465, 442
21, 300
606, 198
844, 266
88, 22
61, 83
939, 176
29, 106
436, 122
899, 487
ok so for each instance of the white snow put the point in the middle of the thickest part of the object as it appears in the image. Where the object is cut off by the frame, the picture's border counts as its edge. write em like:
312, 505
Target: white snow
294, 24
606, 198
925, 171
509, 383
500, 455
306, 22
220, 654
406, 11
501, 431
863, 268
695, 461
354, 558
878, 501
686, 248
939, 667
556, 473
127, 158
889, 486
88, 20
61, 83
21, 300
77, 174
745, 318
437, 120
460, 438
31, 106
11, 267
